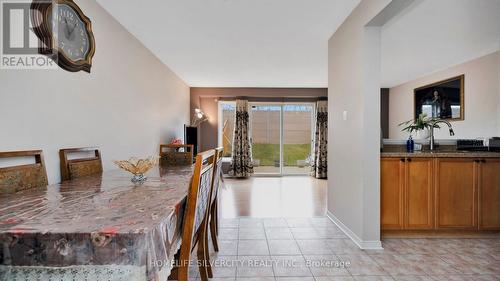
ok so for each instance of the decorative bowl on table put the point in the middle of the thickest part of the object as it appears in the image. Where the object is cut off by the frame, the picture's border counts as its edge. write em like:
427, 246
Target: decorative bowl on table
138, 167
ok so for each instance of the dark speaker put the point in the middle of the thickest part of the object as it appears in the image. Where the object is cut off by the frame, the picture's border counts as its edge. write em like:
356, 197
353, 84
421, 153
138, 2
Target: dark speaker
191, 137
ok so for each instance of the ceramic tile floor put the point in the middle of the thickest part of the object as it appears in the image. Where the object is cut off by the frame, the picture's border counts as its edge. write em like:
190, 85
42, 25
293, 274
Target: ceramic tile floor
314, 249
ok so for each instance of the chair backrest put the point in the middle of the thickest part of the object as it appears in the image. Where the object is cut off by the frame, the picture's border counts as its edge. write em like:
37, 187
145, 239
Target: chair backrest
21, 177
198, 201
217, 173
176, 154
79, 167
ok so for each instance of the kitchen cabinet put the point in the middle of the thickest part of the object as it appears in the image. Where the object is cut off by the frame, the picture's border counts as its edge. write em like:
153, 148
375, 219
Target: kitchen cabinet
440, 193
489, 194
419, 197
391, 194
456, 193
406, 193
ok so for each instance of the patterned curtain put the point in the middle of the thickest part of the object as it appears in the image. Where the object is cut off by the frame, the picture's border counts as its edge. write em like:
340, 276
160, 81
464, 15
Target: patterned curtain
320, 165
242, 154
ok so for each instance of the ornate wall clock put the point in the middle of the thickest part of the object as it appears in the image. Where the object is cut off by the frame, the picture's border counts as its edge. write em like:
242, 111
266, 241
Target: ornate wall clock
65, 32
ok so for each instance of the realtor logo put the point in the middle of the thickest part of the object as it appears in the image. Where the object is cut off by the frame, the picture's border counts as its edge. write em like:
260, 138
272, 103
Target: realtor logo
19, 44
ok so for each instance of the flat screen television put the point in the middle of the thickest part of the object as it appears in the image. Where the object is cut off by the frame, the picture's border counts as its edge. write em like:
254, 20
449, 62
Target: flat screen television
191, 137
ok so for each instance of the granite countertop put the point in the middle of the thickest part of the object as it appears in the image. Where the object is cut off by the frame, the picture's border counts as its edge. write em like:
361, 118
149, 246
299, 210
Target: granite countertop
443, 154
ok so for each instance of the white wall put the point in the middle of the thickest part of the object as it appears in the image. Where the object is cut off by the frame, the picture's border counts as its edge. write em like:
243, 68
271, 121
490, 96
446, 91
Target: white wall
433, 35
481, 93
353, 147
129, 104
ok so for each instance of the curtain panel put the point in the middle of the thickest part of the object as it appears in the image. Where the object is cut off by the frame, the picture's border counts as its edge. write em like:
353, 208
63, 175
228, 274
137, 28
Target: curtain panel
320, 165
242, 154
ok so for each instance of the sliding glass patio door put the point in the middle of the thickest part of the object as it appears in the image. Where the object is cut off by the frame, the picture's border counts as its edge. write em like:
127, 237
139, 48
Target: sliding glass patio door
297, 138
265, 130
281, 135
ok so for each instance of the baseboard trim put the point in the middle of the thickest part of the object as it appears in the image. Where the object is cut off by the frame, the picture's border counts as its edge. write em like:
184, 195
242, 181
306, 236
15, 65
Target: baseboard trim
365, 245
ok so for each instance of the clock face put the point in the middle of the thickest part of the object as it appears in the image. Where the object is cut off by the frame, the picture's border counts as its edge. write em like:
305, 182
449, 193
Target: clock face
69, 32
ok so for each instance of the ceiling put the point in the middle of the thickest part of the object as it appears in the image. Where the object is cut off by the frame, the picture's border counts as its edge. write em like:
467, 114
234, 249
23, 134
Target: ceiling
433, 35
237, 43
283, 43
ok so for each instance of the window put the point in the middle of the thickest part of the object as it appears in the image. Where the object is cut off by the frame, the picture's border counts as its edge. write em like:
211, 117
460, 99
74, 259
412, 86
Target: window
227, 111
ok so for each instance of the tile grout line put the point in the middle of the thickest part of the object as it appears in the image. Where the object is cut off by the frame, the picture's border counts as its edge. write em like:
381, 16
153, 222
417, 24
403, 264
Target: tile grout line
302, 254
237, 249
334, 253
268, 248
455, 268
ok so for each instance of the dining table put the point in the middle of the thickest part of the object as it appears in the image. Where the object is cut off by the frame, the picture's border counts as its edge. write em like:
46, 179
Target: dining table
101, 227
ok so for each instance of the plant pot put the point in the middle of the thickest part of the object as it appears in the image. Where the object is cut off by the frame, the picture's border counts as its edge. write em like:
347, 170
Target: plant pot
422, 135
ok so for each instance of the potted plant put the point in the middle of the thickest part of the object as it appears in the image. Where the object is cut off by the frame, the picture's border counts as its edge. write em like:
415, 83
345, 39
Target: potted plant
420, 126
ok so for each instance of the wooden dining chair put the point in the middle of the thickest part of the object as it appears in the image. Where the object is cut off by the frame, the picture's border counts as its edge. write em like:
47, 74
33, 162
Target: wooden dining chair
21, 177
176, 154
79, 167
195, 225
214, 205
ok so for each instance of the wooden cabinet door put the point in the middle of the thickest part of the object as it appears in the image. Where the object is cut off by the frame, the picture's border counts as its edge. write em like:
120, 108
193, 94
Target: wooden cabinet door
489, 194
391, 193
456, 193
419, 203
